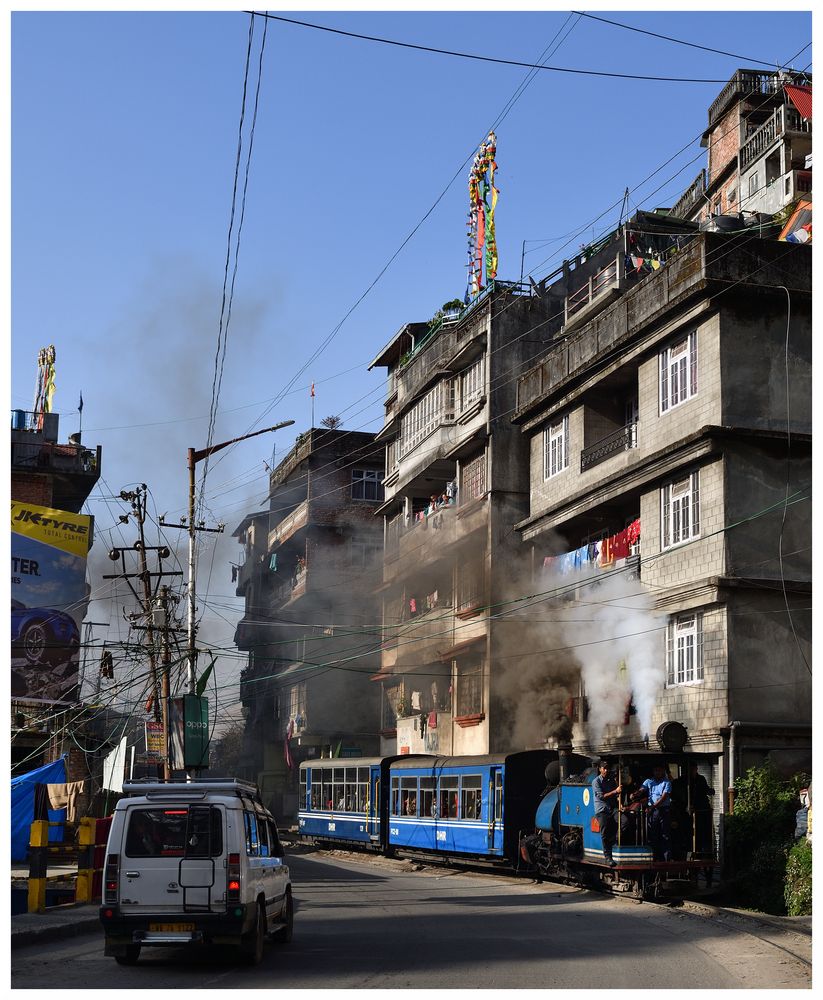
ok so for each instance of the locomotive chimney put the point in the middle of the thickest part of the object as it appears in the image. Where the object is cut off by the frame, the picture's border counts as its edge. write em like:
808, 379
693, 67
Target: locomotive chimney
564, 757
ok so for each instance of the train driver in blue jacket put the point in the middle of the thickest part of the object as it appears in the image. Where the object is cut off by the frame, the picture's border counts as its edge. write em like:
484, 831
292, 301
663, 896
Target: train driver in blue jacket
659, 802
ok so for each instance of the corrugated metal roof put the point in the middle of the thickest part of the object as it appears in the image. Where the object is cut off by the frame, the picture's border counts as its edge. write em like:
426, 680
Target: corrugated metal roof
801, 98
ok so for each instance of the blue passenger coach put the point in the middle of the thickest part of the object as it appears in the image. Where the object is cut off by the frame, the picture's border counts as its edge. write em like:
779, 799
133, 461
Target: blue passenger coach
342, 800
472, 806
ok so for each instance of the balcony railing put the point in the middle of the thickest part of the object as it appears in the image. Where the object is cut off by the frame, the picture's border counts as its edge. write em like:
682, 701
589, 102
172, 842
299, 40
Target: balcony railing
621, 440
745, 81
608, 277
784, 119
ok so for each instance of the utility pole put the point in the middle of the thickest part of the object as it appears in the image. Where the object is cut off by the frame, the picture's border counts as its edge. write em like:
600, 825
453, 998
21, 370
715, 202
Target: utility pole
163, 607
145, 599
194, 457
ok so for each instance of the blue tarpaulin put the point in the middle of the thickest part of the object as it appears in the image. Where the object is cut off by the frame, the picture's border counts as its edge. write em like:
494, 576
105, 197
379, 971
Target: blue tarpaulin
22, 805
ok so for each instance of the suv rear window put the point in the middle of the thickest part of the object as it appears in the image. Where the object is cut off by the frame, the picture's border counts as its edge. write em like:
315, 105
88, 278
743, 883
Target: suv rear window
183, 831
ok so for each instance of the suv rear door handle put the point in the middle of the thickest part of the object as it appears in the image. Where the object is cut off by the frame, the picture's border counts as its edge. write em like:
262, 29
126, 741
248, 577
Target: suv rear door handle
132, 874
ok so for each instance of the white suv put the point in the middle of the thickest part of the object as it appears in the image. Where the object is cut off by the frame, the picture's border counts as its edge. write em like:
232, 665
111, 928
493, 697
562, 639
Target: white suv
192, 862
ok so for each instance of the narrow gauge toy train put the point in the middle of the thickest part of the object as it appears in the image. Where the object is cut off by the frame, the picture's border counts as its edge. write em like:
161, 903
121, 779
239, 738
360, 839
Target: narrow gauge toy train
477, 807
567, 843
532, 811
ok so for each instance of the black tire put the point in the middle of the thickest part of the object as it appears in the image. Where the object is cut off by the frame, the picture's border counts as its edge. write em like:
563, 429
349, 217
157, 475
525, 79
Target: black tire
252, 949
286, 933
35, 643
130, 957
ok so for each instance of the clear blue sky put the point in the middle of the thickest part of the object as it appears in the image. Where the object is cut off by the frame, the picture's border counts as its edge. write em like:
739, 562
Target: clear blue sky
124, 139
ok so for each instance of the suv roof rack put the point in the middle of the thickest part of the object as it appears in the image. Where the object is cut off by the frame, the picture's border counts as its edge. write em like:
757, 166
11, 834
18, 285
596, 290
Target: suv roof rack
230, 786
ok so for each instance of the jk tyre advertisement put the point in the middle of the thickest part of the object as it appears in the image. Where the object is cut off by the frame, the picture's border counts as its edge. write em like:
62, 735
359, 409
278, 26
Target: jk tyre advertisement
48, 600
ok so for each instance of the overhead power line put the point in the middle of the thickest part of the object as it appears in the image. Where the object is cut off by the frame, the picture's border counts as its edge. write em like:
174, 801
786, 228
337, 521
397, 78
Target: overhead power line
491, 59
677, 41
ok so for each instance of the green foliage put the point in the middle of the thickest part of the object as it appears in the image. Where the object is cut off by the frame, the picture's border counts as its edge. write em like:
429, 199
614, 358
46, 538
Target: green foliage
758, 837
798, 892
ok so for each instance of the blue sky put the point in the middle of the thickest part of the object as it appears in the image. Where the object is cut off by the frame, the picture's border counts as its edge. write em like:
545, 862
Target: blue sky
124, 139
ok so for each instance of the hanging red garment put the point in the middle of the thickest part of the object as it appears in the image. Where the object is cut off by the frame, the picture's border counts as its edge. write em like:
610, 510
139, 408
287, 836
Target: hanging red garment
633, 532
620, 544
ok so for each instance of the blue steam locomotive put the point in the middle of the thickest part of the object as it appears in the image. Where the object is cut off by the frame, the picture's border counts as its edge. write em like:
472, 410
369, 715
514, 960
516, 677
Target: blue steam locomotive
532, 811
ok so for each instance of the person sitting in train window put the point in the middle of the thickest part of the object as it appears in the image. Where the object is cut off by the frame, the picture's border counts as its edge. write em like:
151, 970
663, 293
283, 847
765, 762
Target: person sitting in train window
477, 807
341, 805
659, 821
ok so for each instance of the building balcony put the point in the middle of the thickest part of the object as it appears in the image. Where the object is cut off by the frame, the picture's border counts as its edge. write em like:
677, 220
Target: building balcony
599, 291
430, 538
620, 440
745, 82
289, 526
430, 732
784, 119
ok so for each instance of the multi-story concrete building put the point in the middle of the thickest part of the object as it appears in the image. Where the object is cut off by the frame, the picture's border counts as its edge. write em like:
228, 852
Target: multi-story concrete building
456, 482
759, 141
311, 563
670, 440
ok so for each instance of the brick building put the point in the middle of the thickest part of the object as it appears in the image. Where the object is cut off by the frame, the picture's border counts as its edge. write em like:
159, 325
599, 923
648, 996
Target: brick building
759, 146
310, 628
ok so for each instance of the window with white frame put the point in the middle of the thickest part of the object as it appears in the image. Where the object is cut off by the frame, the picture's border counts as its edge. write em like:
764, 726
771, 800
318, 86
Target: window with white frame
680, 507
678, 372
684, 650
556, 448
431, 410
366, 484
471, 384
473, 479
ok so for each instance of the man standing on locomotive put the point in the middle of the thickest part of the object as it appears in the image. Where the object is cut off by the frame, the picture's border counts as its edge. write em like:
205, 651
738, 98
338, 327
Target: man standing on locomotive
604, 789
659, 790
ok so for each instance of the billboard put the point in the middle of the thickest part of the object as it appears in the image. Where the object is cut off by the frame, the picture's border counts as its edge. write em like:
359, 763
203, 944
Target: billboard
48, 600
189, 730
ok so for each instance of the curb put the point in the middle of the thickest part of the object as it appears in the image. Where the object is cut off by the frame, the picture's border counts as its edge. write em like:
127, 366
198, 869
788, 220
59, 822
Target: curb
26, 936
745, 916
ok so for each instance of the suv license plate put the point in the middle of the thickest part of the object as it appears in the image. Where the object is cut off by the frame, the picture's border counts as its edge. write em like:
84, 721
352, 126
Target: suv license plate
171, 927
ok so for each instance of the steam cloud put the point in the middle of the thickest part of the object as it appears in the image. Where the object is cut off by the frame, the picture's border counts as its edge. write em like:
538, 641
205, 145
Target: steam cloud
608, 637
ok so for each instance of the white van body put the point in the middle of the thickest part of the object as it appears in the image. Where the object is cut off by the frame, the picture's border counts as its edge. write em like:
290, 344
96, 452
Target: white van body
194, 862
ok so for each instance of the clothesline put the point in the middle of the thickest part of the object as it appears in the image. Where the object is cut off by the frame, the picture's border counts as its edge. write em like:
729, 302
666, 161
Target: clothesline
601, 554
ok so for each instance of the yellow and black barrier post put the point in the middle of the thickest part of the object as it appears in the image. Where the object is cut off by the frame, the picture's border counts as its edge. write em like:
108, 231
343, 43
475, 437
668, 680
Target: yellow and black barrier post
38, 865
84, 892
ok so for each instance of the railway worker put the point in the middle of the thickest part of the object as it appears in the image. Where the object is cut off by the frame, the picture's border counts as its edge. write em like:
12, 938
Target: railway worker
606, 793
659, 820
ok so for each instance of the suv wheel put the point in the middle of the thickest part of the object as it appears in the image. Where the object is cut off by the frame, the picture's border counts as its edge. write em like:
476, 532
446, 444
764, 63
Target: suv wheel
130, 955
252, 949
285, 934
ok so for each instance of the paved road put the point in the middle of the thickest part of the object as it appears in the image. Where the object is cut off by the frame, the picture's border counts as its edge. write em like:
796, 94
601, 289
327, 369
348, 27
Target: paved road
387, 924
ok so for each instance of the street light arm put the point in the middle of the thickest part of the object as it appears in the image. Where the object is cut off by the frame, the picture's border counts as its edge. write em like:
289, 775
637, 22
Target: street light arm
196, 456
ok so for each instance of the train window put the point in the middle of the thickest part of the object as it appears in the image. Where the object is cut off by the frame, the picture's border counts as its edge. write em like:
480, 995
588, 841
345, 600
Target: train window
338, 789
302, 800
471, 793
351, 789
316, 788
447, 799
498, 796
362, 788
395, 797
408, 793
427, 799
328, 790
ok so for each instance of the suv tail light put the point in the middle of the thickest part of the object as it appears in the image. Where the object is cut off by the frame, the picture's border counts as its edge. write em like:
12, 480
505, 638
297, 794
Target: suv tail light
233, 879
110, 878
